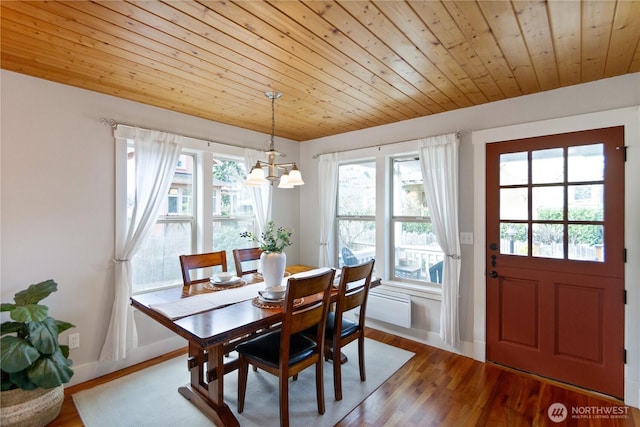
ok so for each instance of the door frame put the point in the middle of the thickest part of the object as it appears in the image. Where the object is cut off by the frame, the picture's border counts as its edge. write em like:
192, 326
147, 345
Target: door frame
630, 119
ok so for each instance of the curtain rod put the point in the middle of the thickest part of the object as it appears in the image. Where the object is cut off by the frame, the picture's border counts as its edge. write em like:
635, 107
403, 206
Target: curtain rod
459, 133
114, 125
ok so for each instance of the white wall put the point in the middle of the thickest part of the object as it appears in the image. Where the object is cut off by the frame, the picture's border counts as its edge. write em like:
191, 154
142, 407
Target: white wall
57, 199
594, 104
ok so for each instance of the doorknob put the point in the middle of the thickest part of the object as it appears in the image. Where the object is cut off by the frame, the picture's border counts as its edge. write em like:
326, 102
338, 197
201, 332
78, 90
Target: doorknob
493, 274
493, 246
493, 260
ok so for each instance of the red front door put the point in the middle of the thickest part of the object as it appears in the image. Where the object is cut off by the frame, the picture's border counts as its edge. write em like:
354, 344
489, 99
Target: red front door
555, 257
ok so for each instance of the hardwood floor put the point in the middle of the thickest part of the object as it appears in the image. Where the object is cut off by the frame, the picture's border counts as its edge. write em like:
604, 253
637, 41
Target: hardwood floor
438, 388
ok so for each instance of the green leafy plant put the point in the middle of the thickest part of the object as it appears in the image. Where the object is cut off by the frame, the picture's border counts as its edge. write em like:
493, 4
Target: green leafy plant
30, 354
271, 239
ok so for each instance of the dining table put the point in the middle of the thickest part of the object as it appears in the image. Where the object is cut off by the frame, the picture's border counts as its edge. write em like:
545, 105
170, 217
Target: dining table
214, 319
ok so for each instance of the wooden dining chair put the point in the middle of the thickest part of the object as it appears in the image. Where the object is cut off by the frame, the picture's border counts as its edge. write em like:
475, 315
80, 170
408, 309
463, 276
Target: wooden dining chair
353, 292
201, 261
244, 255
286, 351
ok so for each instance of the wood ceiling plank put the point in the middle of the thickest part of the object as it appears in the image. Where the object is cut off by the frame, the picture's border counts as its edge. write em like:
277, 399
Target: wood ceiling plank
402, 55
275, 57
130, 82
352, 38
210, 60
380, 75
471, 22
201, 35
532, 16
414, 29
436, 17
341, 65
117, 50
120, 67
502, 22
564, 21
312, 49
264, 36
635, 62
175, 32
624, 38
597, 22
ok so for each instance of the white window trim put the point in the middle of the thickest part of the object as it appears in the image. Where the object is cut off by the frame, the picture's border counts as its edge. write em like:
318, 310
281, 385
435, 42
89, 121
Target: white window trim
381, 155
204, 152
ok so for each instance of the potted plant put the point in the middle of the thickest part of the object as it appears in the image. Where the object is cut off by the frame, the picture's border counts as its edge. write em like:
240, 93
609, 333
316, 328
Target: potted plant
273, 261
33, 363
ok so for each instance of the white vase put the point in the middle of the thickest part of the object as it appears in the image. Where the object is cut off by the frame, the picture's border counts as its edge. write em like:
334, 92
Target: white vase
273, 264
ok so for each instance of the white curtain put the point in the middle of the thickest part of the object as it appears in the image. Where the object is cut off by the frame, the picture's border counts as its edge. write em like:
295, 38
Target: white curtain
439, 164
156, 155
260, 196
328, 188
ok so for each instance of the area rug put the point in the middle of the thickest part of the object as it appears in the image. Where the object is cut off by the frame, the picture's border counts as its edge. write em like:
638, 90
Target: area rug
150, 397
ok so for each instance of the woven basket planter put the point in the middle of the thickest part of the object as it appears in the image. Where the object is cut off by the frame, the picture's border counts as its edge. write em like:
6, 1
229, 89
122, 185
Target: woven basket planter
30, 408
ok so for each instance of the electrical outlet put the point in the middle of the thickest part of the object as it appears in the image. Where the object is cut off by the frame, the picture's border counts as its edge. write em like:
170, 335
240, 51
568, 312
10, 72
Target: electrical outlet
74, 340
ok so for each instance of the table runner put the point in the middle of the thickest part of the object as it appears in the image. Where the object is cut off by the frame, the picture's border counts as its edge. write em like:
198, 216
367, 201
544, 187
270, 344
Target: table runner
203, 302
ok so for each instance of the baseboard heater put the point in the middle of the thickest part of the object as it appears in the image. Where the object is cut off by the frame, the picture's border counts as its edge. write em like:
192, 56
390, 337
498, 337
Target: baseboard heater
390, 307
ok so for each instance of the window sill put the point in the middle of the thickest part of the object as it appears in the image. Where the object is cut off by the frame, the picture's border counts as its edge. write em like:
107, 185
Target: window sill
422, 291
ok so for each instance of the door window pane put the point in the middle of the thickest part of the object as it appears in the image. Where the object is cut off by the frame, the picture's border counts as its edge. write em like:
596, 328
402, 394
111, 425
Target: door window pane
514, 239
586, 202
547, 166
548, 240
586, 242
548, 203
514, 203
514, 168
586, 163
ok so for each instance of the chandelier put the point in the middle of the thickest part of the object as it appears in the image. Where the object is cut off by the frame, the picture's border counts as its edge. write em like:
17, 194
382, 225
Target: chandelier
289, 176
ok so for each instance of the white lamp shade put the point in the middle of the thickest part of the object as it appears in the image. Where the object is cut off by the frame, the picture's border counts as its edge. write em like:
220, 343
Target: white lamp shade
295, 177
256, 178
284, 182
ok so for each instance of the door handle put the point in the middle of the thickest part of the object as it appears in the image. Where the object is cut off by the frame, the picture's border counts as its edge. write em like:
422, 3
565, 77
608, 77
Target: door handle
493, 274
493, 260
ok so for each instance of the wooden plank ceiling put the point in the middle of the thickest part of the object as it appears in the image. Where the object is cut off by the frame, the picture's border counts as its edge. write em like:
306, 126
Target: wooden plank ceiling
340, 65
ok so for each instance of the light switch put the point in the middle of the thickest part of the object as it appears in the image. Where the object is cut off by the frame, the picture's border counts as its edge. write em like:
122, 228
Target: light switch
466, 238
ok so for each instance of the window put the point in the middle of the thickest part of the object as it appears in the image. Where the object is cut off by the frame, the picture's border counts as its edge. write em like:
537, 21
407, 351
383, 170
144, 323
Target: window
404, 224
232, 209
558, 213
356, 212
181, 228
156, 262
416, 255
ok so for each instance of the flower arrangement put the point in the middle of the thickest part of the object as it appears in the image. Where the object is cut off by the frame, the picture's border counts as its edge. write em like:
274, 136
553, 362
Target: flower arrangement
271, 239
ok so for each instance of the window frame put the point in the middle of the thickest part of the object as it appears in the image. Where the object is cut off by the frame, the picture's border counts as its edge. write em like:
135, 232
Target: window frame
382, 156
202, 219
